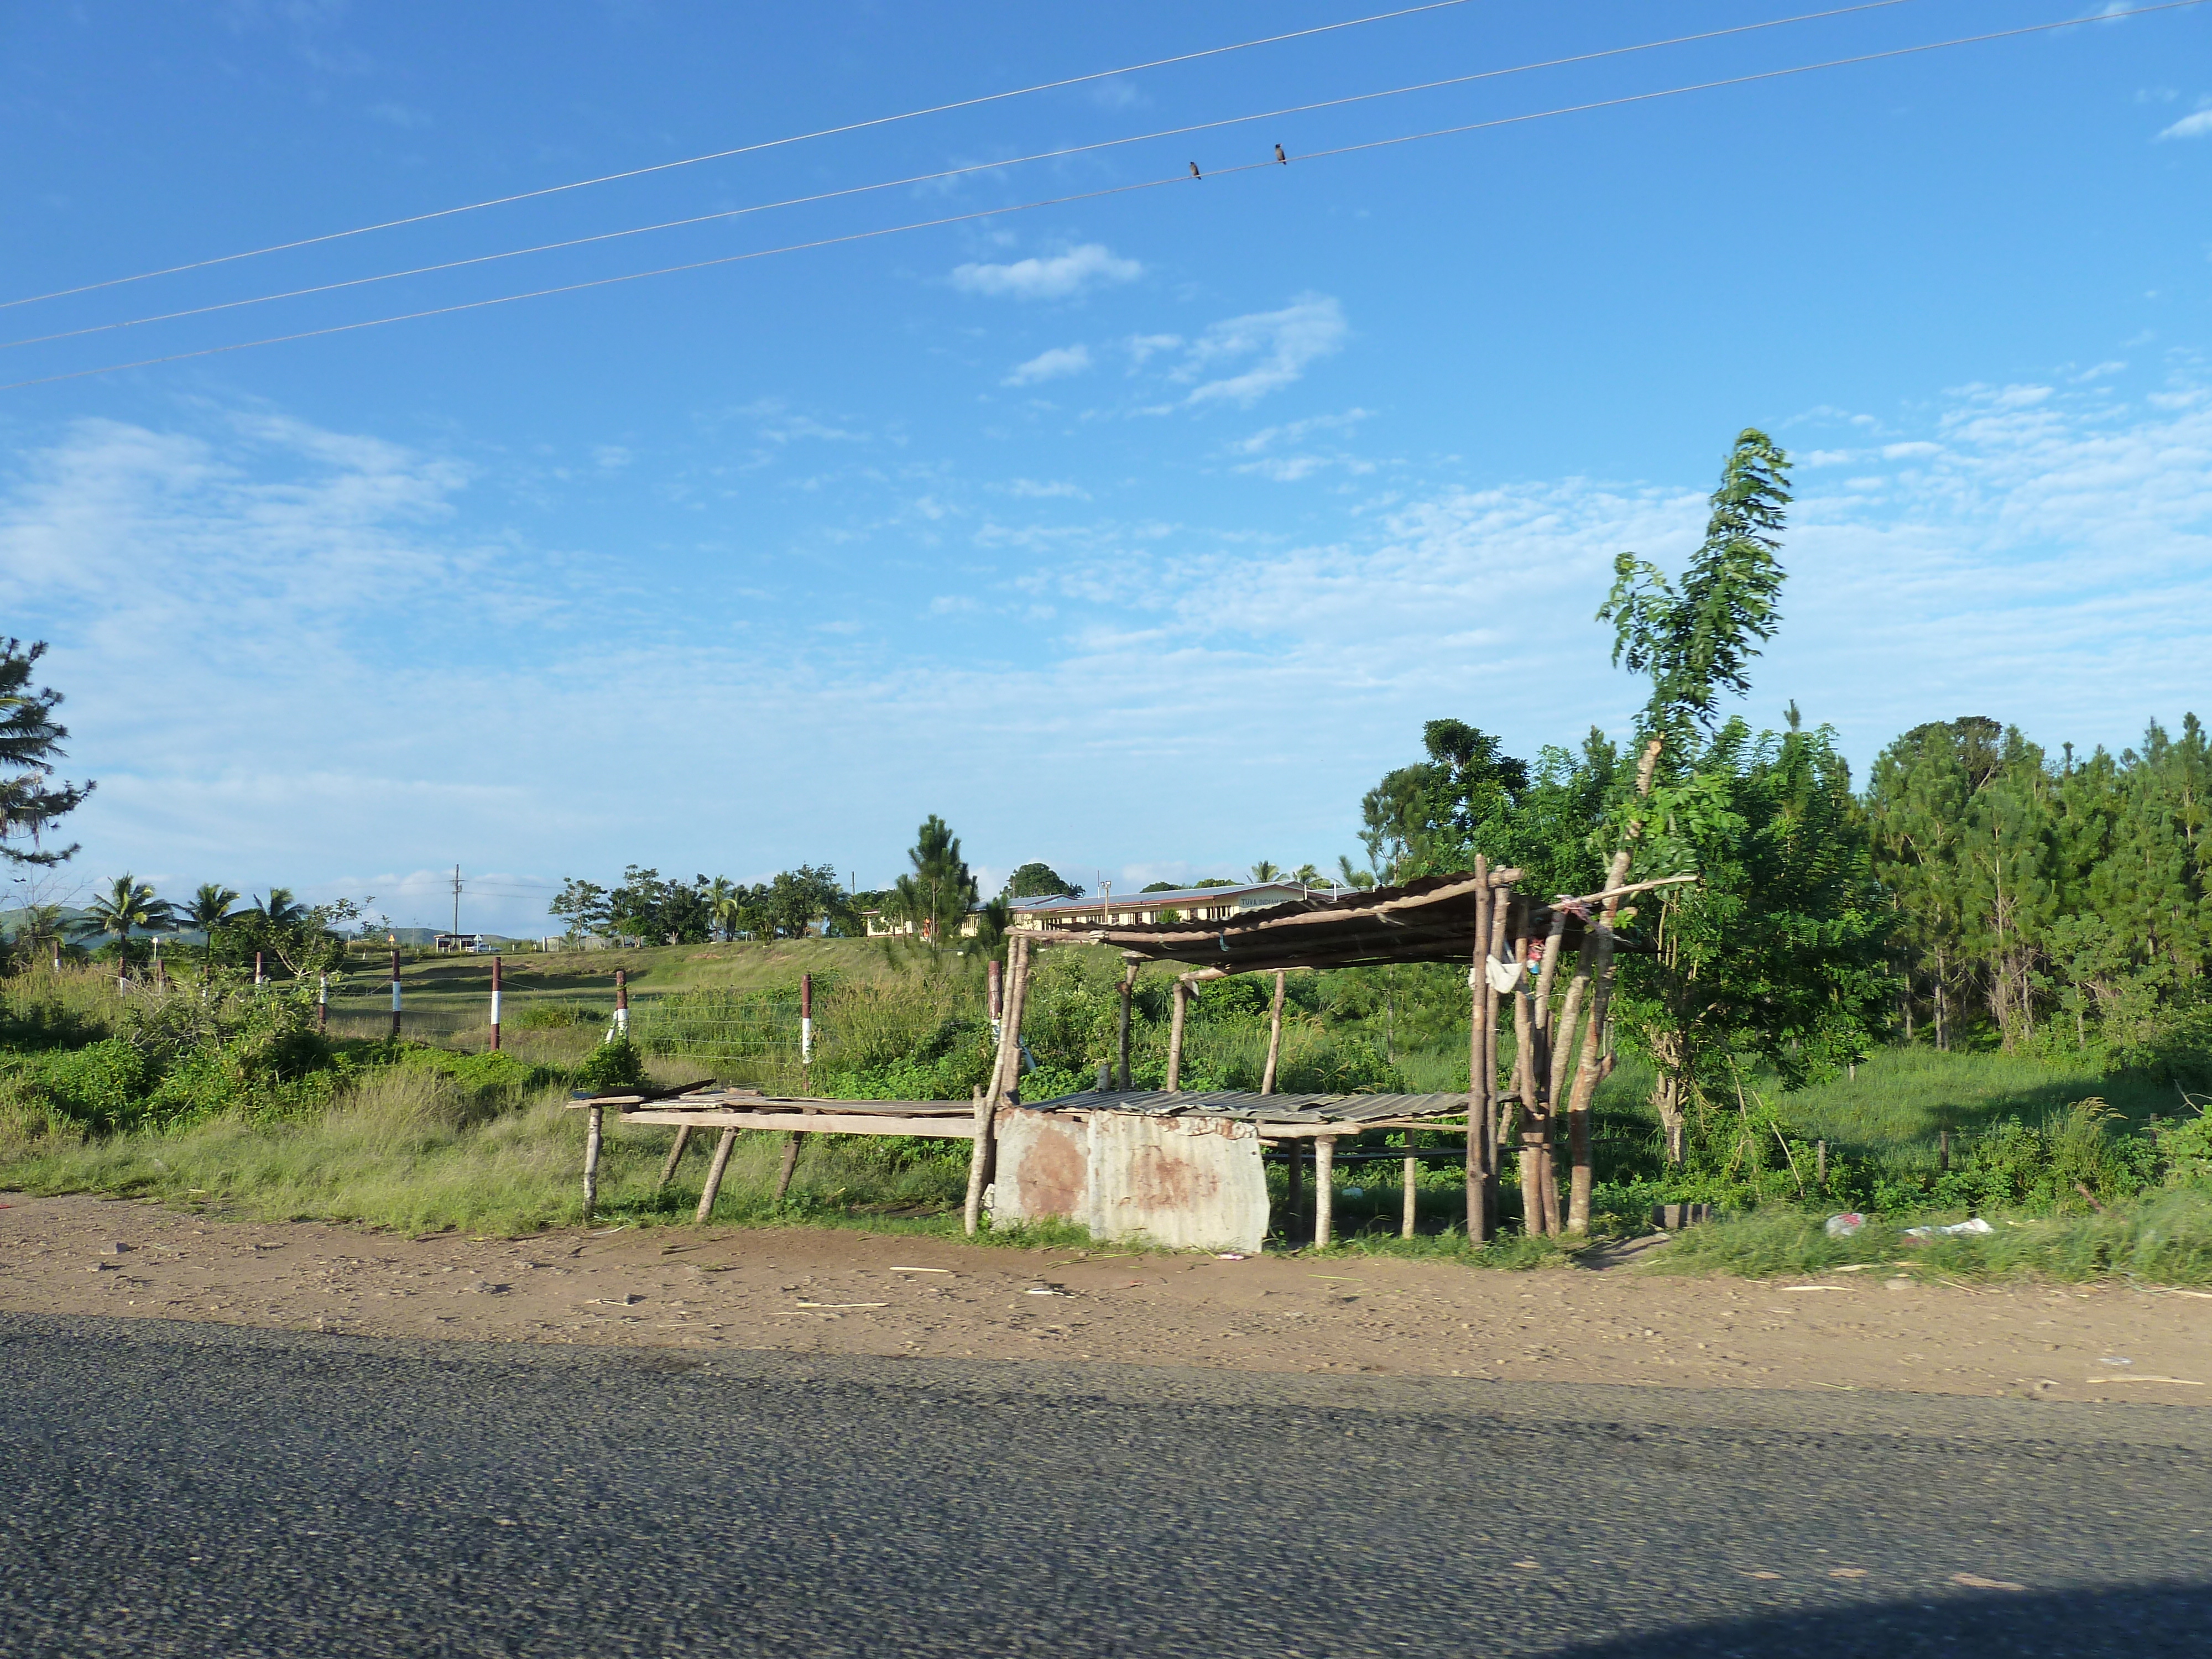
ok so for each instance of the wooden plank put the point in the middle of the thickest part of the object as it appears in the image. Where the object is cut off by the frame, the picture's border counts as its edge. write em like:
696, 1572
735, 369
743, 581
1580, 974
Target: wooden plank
715, 1172
1324, 1188
827, 1123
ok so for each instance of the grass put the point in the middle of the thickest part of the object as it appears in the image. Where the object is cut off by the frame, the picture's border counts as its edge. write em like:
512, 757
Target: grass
2165, 1238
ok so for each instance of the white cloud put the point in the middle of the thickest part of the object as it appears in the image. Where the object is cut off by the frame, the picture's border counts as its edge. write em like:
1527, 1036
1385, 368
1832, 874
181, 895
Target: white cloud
1143, 347
612, 457
400, 116
1909, 452
1051, 365
1278, 347
2198, 126
1058, 276
1057, 490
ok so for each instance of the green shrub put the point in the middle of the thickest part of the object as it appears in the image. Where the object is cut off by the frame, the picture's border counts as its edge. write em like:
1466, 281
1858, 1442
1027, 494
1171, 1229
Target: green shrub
101, 1086
614, 1066
554, 1017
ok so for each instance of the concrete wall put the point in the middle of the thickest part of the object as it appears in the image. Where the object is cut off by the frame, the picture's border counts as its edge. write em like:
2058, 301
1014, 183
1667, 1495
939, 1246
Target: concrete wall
1183, 1183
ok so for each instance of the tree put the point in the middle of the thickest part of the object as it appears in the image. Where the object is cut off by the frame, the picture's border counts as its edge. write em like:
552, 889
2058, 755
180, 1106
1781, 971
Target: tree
1778, 947
31, 803
936, 896
212, 909
583, 905
1035, 880
1266, 871
1433, 817
1697, 641
129, 906
1160, 887
796, 899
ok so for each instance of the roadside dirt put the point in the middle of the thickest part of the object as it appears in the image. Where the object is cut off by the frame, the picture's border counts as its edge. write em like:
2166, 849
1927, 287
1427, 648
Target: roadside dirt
827, 1291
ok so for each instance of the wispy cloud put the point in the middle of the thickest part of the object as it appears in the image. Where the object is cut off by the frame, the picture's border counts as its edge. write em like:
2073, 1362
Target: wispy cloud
1052, 365
2198, 126
1275, 348
1054, 277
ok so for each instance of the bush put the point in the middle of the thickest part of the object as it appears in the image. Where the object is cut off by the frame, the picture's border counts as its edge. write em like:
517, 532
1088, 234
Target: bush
554, 1017
614, 1066
101, 1087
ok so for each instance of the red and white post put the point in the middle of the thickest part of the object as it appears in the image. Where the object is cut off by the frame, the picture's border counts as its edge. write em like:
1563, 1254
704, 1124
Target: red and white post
260, 977
395, 996
495, 1002
322, 1004
622, 1002
806, 1019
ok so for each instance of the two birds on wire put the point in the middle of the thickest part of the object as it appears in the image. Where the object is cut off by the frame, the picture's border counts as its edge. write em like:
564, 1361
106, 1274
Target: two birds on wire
1280, 156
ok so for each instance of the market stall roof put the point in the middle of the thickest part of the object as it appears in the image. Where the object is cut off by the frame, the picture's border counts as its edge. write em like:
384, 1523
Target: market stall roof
1431, 919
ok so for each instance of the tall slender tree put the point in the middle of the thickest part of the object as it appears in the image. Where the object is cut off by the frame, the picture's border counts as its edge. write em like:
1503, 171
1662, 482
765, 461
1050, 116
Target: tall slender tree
210, 909
129, 906
31, 801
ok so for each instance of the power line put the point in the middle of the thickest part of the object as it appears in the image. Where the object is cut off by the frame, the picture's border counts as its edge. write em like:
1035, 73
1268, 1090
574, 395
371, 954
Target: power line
962, 172
742, 149
1116, 190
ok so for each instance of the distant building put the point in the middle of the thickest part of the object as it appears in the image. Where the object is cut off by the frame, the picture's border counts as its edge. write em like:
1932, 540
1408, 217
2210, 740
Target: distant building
467, 944
880, 925
1110, 909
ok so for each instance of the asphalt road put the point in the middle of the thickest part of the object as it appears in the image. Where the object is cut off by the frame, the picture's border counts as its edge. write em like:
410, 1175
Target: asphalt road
177, 1489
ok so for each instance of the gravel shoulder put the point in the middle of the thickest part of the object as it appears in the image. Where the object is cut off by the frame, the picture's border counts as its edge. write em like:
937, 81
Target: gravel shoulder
829, 1292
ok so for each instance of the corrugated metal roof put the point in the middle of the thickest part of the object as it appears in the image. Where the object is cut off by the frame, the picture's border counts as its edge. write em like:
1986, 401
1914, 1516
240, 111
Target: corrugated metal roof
1169, 897
1258, 1109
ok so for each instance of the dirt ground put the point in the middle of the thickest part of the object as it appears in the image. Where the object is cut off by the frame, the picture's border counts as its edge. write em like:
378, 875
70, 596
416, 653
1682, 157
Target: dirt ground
831, 1292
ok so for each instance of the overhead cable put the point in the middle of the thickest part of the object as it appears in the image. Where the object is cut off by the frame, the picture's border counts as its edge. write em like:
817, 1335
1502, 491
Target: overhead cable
954, 172
1219, 173
742, 149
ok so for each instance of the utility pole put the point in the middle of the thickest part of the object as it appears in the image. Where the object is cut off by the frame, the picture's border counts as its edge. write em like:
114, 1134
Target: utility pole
456, 907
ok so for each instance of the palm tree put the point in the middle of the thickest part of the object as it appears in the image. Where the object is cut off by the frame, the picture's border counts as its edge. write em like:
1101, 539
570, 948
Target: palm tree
210, 910
281, 908
722, 901
129, 906
1267, 871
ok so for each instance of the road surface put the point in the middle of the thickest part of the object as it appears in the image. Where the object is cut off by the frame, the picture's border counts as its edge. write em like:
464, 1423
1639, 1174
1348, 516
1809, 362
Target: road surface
201, 1490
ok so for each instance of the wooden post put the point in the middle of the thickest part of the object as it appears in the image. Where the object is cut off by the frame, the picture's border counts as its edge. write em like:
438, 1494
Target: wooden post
1274, 1035
595, 1122
622, 1002
1820, 1165
675, 1157
1294, 1188
1003, 1077
806, 1028
723, 1148
1943, 1151
1324, 1186
322, 1004
1128, 990
789, 1166
1501, 901
395, 990
1477, 1075
495, 1002
261, 978
1175, 1034
1589, 1068
1577, 1110
1412, 1207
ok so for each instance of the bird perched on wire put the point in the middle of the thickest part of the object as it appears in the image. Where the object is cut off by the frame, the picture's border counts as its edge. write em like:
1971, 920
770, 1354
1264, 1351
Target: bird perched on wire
1194, 173
1280, 156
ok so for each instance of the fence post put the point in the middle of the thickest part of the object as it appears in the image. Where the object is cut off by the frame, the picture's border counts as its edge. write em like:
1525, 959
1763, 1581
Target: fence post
995, 994
806, 1022
322, 1004
1820, 1166
495, 1002
260, 978
395, 995
622, 1002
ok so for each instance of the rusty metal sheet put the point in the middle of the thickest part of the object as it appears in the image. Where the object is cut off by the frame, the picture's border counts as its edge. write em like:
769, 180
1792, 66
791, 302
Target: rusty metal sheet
1181, 1183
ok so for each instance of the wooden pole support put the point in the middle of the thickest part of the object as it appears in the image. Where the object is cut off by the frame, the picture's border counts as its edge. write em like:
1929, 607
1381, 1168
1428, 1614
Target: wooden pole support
596, 1120
1324, 1186
715, 1170
1274, 1035
1004, 1076
1175, 1035
1413, 1199
1477, 1083
1128, 990
1294, 1190
675, 1157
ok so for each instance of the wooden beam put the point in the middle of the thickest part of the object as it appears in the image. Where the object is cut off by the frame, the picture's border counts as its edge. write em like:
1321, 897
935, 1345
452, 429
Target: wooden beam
593, 1126
1175, 1034
826, 1122
675, 1158
1324, 1188
1274, 1035
1478, 1087
714, 1173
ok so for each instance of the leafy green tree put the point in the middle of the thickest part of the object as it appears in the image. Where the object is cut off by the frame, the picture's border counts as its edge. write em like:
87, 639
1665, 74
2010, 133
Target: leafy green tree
31, 801
796, 899
1777, 950
583, 905
1433, 817
129, 906
1697, 641
211, 910
1035, 880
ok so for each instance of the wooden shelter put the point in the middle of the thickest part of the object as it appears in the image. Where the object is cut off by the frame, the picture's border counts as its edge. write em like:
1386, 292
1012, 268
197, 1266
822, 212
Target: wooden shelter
1184, 1167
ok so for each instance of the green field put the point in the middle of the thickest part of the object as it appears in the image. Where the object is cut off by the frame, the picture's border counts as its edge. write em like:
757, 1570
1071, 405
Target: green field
435, 1133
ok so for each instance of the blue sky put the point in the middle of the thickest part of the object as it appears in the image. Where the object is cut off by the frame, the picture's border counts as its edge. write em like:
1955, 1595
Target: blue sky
1138, 533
